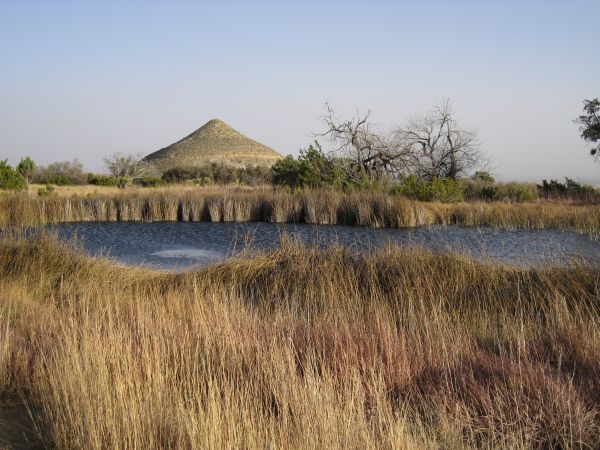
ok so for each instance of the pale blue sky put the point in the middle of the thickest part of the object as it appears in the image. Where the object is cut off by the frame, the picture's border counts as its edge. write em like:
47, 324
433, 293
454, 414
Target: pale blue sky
82, 80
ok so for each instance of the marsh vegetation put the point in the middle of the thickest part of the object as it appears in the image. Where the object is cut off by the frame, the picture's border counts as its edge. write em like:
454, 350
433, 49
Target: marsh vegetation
316, 206
301, 347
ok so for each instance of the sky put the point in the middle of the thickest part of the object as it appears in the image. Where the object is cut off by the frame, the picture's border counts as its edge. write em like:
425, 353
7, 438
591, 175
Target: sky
87, 79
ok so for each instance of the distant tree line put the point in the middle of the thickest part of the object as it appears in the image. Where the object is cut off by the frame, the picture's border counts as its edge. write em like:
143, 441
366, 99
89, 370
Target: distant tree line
219, 173
312, 169
430, 157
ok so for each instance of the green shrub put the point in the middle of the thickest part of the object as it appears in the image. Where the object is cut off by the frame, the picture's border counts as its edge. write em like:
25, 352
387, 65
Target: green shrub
510, 192
58, 180
483, 177
286, 172
219, 173
222, 173
570, 189
315, 169
102, 180
149, 182
180, 174
255, 175
517, 192
10, 178
45, 191
488, 193
26, 168
124, 181
446, 190
204, 181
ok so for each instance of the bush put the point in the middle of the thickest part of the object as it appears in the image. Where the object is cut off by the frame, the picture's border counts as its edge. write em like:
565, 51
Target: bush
26, 168
569, 190
10, 178
511, 192
102, 180
446, 190
58, 180
180, 174
286, 172
482, 192
45, 191
61, 173
219, 173
483, 177
149, 182
314, 169
204, 181
517, 192
255, 175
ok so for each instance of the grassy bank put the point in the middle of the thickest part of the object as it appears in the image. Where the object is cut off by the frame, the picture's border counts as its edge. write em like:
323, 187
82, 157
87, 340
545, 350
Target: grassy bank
222, 204
301, 348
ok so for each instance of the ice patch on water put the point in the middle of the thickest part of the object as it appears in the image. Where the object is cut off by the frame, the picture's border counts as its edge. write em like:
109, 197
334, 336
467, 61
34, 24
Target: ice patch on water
190, 253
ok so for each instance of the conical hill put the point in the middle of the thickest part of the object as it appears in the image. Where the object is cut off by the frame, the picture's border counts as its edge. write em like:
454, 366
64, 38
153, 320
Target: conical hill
213, 142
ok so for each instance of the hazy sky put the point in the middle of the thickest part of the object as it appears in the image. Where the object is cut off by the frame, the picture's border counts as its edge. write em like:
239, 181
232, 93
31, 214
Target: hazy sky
83, 80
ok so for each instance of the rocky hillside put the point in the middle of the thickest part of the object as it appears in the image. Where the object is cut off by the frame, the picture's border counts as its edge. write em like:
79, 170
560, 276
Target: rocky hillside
214, 142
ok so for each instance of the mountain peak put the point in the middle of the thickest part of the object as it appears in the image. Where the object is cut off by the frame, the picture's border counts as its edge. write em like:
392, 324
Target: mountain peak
215, 122
215, 141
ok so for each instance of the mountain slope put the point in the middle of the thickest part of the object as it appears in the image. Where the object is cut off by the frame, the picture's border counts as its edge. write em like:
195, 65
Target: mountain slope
213, 142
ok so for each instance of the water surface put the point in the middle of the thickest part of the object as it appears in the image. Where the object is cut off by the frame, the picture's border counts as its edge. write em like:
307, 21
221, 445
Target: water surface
183, 245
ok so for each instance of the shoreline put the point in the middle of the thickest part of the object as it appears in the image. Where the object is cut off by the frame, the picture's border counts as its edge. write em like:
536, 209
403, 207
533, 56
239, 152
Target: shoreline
317, 207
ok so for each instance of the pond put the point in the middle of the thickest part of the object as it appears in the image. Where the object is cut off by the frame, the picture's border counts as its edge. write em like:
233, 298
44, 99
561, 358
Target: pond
180, 246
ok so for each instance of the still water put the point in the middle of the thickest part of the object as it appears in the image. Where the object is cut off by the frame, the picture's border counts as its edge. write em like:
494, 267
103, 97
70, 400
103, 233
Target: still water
184, 245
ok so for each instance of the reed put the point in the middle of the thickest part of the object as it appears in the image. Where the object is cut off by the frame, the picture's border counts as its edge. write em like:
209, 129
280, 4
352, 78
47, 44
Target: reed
303, 348
225, 204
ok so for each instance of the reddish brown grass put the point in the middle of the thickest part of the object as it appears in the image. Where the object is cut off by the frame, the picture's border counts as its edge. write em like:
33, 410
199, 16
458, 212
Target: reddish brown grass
301, 348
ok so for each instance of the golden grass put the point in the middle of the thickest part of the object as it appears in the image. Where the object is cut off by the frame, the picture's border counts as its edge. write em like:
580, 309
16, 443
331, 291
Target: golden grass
301, 348
69, 191
89, 190
228, 204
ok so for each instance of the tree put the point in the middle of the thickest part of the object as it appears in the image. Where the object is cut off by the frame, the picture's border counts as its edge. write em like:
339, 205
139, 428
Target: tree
26, 168
590, 124
286, 172
315, 169
128, 166
375, 154
10, 178
61, 173
439, 147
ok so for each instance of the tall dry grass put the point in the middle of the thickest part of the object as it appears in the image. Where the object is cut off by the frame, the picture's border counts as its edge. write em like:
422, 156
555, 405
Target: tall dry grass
302, 348
223, 204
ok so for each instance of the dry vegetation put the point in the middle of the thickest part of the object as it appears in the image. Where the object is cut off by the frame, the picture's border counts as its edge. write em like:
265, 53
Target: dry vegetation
218, 204
300, 348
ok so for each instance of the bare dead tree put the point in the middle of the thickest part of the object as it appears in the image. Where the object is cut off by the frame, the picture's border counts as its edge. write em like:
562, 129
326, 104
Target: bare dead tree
121, 165
374, 153
439, 147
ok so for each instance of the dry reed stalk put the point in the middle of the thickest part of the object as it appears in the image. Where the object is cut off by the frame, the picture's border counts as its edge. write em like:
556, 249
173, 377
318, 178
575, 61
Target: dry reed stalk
316, 207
